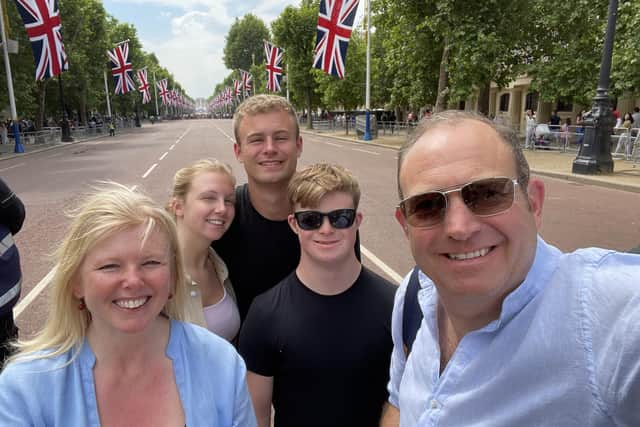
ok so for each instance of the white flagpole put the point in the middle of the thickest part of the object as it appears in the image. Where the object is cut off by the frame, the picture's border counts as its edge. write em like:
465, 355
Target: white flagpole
367, 128
12, 100
106, 91
155, 92
288, 81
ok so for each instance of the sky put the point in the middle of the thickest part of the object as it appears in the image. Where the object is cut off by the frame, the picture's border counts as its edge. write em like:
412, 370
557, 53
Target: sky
188, 36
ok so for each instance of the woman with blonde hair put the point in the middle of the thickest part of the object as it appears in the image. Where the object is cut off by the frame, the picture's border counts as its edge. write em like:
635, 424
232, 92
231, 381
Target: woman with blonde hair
203, 205
114, 350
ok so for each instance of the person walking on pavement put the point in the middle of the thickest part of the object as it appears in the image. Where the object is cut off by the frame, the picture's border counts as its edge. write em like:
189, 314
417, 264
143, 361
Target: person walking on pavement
12, 214
530, 135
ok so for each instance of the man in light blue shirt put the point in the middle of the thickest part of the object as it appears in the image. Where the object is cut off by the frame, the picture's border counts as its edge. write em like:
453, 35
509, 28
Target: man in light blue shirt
515, 333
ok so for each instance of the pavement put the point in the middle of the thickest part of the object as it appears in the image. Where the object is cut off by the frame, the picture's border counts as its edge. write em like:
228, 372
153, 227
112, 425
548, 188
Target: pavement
626, 175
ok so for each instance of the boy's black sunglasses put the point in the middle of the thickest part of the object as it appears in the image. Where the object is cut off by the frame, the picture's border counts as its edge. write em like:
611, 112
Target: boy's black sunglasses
312, 220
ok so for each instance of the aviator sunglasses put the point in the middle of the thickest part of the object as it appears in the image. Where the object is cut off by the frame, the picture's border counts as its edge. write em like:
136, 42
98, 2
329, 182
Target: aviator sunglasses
484, 197
312, 220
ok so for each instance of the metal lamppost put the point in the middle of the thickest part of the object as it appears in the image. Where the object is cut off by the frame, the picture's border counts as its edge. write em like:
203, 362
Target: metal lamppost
594, 156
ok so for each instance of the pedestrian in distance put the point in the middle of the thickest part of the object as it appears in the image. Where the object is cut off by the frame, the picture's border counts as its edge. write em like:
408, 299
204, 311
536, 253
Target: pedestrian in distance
12, 214
317, 345
203, 205
514, 332
114, 350
112, 128
530, 135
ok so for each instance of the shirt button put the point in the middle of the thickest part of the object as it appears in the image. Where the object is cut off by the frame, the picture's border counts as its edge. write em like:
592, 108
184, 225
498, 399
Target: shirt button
434, 404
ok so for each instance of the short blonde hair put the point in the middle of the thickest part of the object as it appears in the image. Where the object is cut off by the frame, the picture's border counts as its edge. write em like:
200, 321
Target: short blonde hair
261, 104
184, 177
309, 185
109, 209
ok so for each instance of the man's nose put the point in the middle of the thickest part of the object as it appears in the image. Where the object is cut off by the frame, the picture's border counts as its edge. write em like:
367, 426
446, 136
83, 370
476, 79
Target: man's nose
459, 222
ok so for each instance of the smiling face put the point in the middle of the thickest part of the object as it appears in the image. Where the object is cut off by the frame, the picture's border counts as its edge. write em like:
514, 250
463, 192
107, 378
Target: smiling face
327, 245
479, 259
208, 207
125, 286
268, 147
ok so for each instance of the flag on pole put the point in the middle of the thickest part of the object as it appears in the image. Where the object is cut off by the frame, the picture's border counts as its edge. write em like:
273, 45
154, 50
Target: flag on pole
246, 82
121, 68
237, 88
274, 66
144, 86
41, 19
335, 21
164, 92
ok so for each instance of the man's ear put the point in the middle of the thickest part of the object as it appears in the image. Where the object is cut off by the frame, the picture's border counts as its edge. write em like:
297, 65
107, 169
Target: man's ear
535, 196
299, 145
177, 206
236, 151
292, 223
358, 219
402, 221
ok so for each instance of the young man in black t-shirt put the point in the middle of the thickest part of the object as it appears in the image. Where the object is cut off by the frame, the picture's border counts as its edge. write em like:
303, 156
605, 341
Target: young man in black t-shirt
317, 345
259, 248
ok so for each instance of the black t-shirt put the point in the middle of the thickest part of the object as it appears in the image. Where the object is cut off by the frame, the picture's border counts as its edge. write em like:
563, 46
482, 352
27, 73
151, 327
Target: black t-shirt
329, 355
258, 252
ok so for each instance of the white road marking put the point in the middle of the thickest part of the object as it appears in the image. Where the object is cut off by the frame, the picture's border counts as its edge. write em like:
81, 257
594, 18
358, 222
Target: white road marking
33, 294
225, 134
17, 165
366, 151
163, 156
134, 187
334, 144
172, 147
153, 166
381, 265
183, 135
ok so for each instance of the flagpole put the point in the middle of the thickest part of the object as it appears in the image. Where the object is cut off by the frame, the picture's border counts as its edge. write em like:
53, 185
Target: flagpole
19, 148
106, 91
155, 93
367, 126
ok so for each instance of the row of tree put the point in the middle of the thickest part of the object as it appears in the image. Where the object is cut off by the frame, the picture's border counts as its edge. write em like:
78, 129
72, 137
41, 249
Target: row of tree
440, 52
88, 32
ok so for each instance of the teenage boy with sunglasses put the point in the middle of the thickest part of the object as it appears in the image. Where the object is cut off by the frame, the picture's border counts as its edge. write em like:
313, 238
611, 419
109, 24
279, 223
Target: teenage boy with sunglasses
515, 332
318, 344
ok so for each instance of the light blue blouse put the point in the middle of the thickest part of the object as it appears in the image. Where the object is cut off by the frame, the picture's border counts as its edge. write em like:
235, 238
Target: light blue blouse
565, 351
209, 373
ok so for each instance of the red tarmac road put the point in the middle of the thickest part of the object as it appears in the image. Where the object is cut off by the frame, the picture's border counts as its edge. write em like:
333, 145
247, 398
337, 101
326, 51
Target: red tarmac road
50, 182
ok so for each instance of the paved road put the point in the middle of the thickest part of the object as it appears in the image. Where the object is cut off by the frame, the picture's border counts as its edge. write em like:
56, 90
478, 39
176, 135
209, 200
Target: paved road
49, 183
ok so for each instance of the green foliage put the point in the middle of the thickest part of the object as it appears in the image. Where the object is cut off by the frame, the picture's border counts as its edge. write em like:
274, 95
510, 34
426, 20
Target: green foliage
244, 42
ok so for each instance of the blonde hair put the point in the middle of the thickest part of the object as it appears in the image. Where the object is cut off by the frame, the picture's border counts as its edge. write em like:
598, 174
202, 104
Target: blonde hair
261, 104
183, 179
109, 209
310, 184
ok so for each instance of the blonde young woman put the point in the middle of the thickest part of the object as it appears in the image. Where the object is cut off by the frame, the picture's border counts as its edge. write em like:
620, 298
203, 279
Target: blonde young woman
114, 350
203, 204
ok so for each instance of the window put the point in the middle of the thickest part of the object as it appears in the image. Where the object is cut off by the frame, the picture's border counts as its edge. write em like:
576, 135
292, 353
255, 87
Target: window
564, 105
531, 101
504, 102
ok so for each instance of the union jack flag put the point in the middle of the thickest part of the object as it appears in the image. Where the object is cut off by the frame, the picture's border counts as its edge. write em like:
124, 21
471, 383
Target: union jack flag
335, 22
164, 92
144, 86
41, 19
237, 88
274, 66
246, 82
121, 68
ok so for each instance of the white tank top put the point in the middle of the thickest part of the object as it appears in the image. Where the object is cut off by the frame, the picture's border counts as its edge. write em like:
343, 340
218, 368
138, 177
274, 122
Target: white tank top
223, 317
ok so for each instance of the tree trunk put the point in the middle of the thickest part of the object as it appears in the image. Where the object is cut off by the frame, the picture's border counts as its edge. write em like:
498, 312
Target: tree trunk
308, 99
443, 79
83, 105
483, 98
40, 99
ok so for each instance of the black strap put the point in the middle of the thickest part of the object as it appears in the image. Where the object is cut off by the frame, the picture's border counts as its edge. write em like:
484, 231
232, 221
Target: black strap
411, 313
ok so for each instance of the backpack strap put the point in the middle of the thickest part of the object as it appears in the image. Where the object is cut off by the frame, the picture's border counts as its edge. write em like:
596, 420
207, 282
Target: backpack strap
411, 312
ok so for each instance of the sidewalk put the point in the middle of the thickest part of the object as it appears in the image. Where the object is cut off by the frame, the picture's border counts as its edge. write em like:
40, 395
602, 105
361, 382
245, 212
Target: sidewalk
625, 176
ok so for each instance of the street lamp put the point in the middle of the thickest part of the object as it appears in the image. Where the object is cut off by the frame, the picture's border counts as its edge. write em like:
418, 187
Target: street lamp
594, 156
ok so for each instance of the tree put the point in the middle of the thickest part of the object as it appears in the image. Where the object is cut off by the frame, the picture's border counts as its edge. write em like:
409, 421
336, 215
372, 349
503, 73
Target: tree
244, 42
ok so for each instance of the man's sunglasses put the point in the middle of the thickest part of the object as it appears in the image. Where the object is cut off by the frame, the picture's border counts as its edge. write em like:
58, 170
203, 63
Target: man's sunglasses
312, 220
484, 197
